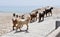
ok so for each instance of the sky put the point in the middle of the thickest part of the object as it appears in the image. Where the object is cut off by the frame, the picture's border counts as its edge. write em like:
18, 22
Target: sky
19, 3
26, 5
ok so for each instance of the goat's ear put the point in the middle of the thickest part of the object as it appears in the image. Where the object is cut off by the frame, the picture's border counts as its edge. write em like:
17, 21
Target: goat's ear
36, 11
16, 15
19, 16
13, 14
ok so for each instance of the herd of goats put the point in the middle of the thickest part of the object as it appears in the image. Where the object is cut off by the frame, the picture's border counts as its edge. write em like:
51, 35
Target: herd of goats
19, 21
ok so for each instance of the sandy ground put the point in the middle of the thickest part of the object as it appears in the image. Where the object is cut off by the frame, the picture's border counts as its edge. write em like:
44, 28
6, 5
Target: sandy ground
36, 29
5, 23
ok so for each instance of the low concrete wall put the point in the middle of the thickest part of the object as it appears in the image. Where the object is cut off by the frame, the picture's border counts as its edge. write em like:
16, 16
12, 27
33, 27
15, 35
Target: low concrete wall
55, 33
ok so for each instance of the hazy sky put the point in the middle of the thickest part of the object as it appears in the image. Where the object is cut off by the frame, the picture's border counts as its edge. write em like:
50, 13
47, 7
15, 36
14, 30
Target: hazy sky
19, 3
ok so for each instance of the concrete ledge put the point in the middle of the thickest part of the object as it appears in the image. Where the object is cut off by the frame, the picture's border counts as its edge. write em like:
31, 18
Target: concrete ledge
55, 33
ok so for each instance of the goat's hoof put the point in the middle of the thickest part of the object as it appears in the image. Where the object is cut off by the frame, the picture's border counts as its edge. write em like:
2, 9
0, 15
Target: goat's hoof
26, 30
13, 29
20, 30
38, 22
16, 30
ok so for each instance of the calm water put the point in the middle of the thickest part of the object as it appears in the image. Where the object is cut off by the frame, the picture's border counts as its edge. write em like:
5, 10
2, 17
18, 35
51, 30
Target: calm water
19, 9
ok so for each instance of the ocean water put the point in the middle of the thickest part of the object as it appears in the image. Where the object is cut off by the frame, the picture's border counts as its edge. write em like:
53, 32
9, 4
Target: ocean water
23, 9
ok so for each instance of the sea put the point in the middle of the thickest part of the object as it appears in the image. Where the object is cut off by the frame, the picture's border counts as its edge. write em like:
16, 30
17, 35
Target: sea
22, 9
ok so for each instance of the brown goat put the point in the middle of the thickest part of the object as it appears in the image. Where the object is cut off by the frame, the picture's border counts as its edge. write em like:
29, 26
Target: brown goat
34, 16
14, 20
21, 22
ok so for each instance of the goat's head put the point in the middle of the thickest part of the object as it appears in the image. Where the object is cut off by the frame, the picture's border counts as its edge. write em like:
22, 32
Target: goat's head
51, 8
14, 14
36, 12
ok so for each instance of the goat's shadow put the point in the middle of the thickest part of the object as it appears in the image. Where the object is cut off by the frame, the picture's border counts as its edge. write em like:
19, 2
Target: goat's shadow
58, 35
47, 16
22, 31
33, 21
41, 21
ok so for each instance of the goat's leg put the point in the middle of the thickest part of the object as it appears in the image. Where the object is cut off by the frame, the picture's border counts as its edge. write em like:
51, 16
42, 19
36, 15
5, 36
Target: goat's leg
13, 26
27, 26
51, 13
43, 18
39, 18
46, 14
17, 27
31, 20
36, 18
20, 28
